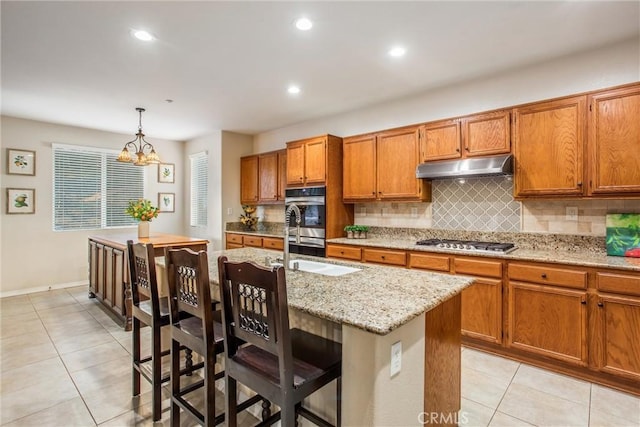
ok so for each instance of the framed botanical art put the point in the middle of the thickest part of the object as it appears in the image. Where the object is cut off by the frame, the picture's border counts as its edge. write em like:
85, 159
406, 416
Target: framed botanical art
21, 200
166, 172
167, 202
21, 162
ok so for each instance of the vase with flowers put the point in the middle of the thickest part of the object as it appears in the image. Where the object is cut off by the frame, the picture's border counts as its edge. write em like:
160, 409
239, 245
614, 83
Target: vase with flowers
142, 211
247, 219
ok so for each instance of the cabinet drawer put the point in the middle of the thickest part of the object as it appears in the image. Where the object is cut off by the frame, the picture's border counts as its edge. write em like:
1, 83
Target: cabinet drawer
234, 238
385, 256
548, 275
256, 242
618, 283
273, 243
346, 252
429, 262
234, 246
478, 267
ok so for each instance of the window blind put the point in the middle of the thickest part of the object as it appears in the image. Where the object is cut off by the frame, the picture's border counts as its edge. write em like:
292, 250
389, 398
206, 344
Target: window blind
91, 190
199, 189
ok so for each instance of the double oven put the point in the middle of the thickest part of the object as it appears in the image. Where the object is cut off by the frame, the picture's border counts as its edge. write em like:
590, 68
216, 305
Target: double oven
313, 221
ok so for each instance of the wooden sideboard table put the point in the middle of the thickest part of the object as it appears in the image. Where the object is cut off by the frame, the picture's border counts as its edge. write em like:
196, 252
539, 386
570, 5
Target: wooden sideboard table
109, 269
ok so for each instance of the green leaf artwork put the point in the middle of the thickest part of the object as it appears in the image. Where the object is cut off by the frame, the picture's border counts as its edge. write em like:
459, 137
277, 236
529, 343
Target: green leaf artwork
20, 201
623, 235
166, 172
20, 161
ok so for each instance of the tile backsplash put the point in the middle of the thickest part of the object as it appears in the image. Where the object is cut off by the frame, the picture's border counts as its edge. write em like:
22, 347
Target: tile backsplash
482, 204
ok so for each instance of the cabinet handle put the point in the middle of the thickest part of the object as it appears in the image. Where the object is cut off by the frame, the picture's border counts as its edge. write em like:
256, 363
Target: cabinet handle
466, 148
341, 252
583, 302
457, 150
543, 275
301, 178
600, 304
373, 192
580, 184
382, 256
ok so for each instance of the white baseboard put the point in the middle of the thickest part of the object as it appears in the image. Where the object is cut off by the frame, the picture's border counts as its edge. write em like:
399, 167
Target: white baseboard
26, 291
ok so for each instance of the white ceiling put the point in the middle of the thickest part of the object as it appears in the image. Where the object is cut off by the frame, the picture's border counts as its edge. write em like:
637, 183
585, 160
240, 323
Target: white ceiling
227, 65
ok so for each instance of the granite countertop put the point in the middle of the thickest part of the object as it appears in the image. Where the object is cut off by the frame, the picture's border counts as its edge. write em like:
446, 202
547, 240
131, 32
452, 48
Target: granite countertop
259, 233
578, 258
377, 299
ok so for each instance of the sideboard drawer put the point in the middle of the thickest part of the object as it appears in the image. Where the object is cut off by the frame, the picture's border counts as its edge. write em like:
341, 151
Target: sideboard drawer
430, 262
234, 238
478, 267
619, 283
345, 252
273, 243
256, 242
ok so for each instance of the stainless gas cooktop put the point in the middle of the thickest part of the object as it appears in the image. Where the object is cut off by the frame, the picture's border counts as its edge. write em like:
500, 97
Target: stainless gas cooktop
468, 245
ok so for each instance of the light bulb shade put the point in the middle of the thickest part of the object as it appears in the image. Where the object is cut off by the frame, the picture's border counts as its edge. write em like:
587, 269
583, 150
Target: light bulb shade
124, 156
152, 157
141, 159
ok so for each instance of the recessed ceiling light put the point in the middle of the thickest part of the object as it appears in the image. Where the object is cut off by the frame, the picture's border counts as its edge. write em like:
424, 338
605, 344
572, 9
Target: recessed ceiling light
397, 51
293, 89
143, 35
304, 24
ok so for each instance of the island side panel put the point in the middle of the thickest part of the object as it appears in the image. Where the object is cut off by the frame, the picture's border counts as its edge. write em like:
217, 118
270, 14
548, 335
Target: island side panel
442, 363
370, 396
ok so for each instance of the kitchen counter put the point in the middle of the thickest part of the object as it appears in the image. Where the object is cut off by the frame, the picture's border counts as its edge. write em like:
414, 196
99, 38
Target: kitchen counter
578, 258
376, 299
368, 311
258, 233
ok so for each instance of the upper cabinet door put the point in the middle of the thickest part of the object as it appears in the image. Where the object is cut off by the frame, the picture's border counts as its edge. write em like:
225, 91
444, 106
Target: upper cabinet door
315, 158
440, 140
549, 144
486, 134
397, 159
268, 177
249, 180
614, 141
359, 168
295, 163
282, 174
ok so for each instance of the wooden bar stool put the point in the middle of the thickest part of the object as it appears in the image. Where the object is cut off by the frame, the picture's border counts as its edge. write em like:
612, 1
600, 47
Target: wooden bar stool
148, 309
195, 324
283, 365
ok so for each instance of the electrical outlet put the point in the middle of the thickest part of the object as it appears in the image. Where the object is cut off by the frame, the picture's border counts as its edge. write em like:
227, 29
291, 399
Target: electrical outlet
571, 213
396, 358
229, 211
414, 212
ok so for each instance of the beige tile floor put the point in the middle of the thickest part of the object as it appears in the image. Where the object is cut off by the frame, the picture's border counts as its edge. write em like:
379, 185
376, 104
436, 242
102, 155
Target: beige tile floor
65, 362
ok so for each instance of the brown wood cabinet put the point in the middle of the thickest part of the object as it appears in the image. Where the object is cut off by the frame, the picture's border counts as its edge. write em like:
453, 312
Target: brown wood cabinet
271, 176
578, 321
617, 342
471, 136
382, 166
549, 146
249, 180
306, 161
235, 241
548, 320
614, 142
482, 301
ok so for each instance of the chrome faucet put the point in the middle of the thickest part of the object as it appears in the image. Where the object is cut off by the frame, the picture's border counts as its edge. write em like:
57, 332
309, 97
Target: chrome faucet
287, 221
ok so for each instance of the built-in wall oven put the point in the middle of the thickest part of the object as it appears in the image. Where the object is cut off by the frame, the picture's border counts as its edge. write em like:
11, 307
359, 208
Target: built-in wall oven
311, 202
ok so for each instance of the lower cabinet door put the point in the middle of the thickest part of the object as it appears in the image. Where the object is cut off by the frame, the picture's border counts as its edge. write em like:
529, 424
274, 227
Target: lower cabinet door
619, 335
482, 310
549, 321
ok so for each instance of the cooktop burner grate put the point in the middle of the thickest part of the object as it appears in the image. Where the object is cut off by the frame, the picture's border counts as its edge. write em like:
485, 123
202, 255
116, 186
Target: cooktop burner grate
468, 245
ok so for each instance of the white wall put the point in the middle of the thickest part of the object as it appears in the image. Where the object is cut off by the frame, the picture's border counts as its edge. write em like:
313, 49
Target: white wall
604, 67
33, 256
224, 150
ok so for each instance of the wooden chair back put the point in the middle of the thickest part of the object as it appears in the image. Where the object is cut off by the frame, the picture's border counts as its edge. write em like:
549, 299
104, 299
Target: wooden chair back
142, 271
255, 310
189, 288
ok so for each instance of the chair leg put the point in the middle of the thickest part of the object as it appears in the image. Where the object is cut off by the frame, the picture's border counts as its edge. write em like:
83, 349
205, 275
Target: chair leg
231, 409
175, 382
210, 390
156, 374
288, 415
135, 357
339, 402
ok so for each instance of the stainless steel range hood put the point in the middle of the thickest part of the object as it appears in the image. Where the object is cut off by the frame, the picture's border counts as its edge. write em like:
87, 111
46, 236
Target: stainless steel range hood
467, 168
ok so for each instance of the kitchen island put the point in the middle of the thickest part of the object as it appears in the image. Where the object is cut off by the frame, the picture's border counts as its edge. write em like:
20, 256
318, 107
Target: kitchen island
368, 311
109, 269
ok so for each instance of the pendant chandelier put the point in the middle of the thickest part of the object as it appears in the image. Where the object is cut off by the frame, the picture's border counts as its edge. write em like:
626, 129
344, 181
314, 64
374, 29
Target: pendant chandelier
144, 152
